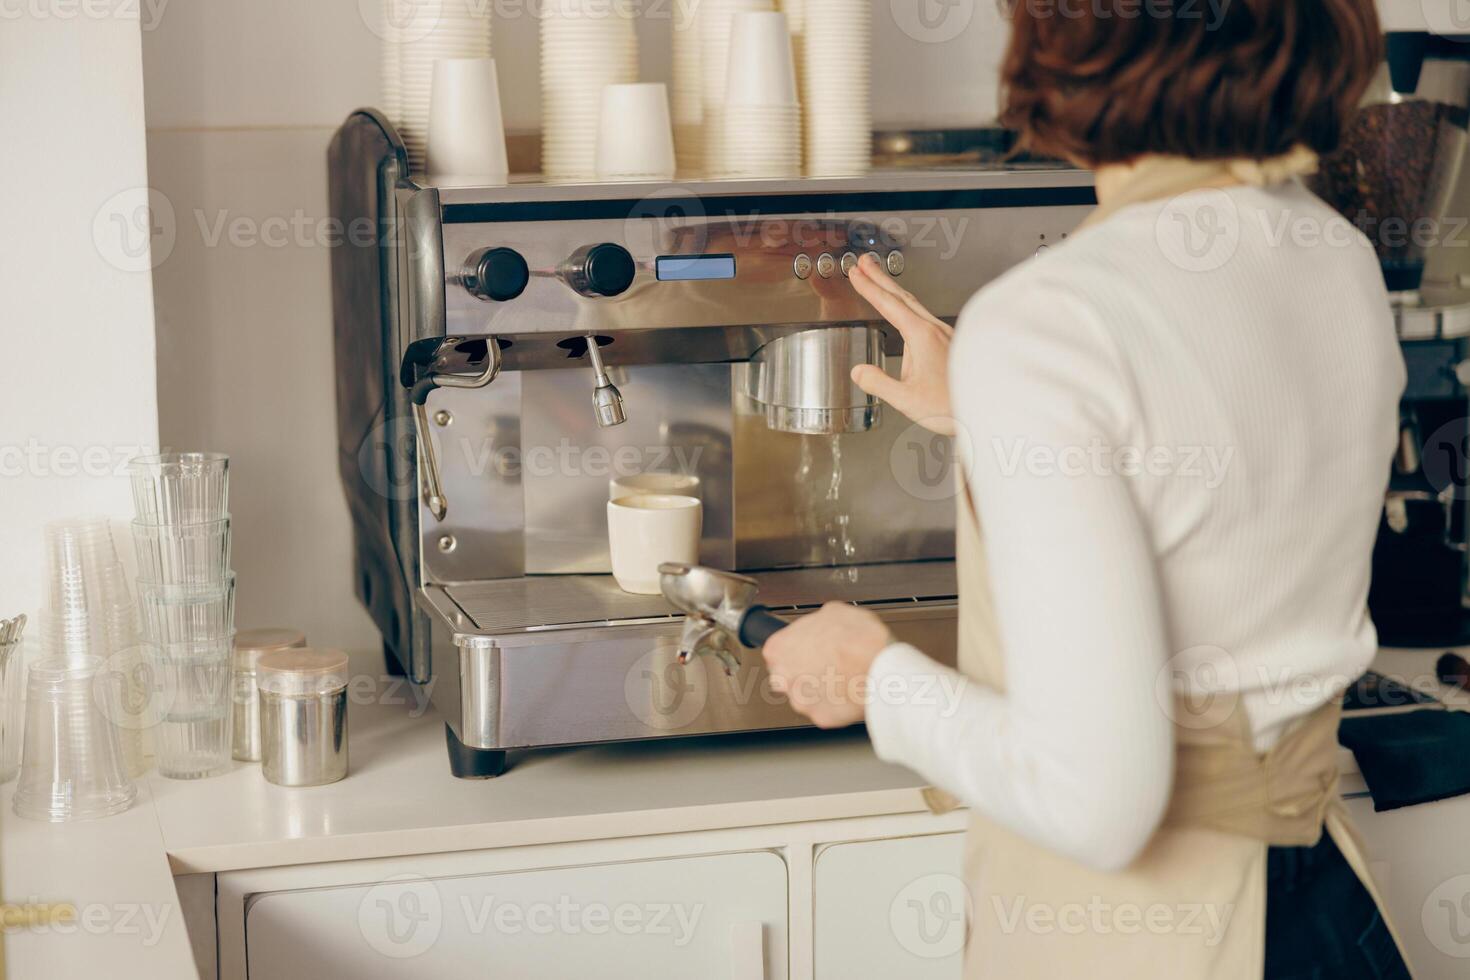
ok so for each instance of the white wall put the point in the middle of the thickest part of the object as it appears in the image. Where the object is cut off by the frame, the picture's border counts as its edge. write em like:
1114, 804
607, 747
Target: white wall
76, 310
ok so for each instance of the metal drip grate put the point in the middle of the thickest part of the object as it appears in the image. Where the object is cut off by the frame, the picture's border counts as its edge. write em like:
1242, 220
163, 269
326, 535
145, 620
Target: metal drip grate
550, 601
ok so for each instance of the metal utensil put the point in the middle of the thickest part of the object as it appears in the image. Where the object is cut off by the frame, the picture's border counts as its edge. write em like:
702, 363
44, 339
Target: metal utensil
717, 606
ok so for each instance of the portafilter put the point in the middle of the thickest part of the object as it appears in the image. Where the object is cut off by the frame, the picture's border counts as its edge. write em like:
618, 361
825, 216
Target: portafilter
717, 606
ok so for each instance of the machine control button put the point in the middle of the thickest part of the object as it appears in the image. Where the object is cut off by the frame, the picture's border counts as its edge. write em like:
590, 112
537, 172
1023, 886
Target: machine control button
826, 265
600, 270
497, 274
802, 265
876, 257
1042, 249
849, 262
896, 263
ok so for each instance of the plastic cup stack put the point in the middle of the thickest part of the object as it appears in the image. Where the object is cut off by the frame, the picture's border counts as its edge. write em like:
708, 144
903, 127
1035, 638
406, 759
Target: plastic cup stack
585, 46
72, 765
715, 18
90, 613
414, 35
761, 116
686, 94
838, 44
186, 600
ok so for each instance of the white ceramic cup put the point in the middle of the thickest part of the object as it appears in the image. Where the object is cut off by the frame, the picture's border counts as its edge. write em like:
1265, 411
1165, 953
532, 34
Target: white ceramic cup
761, 70
646, 530
466, 140
634, 138
683, 484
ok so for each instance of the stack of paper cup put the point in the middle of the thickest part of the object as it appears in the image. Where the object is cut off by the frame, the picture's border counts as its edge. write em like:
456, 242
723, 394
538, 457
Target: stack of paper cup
634, 139
687, 95
466, 132
761, 117
585, 45
417, 33
715, 22
838, 53
795, 11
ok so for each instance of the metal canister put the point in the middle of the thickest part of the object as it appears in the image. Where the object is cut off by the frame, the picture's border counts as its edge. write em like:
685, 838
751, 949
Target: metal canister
250, 646
303, 716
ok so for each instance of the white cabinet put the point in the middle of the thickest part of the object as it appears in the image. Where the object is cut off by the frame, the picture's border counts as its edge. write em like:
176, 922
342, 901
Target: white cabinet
890, 908
719, 916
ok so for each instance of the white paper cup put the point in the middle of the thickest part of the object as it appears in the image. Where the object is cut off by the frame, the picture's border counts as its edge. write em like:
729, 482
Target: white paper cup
680, 484
645, 530
634, 138
466, 131
760, 71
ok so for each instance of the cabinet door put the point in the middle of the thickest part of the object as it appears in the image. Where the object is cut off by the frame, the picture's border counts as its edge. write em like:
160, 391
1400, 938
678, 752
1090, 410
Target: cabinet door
718, 916
891, 908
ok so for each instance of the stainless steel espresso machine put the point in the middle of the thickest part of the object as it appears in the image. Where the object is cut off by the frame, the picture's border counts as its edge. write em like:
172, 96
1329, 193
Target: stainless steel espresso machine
504, 353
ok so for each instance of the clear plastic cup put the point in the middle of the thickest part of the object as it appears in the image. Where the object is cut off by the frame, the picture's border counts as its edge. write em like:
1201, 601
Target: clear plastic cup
183, 554
180, 488
187, 613
72, 765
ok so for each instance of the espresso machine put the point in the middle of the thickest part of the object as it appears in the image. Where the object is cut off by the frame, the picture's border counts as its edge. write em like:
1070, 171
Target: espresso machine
503, 353
1400, 177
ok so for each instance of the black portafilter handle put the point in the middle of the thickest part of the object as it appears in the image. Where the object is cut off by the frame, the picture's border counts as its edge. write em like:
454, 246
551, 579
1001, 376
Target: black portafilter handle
758, 625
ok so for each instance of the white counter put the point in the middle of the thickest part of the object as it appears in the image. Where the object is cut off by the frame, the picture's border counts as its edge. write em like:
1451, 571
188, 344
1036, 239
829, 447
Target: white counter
400, 799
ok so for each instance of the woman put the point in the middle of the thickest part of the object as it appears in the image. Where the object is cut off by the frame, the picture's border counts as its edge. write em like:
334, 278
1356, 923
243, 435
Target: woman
1176, 430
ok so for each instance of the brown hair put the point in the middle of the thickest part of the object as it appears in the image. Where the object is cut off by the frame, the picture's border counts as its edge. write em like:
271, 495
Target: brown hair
1104, 81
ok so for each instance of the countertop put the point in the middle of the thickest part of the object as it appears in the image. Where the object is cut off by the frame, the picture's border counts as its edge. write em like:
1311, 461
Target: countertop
399, 799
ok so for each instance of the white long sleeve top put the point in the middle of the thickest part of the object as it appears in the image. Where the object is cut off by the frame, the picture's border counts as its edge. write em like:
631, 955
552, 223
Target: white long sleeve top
1178, 445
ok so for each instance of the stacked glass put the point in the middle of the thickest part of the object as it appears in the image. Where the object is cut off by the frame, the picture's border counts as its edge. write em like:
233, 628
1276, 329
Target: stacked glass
186, 601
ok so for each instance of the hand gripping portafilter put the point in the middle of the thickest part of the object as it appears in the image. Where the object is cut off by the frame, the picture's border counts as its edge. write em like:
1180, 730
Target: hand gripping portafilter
717, 606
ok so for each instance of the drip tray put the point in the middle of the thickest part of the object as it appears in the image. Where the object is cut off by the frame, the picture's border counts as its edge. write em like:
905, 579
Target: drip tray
537, 602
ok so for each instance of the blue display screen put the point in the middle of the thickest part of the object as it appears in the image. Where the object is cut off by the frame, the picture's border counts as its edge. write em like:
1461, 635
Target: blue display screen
683, 268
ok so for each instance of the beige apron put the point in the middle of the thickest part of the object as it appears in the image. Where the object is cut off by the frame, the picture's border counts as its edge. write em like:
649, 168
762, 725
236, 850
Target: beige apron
1193, 905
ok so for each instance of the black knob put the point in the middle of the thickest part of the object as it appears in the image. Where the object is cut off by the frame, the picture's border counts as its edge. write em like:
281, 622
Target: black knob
496, 273
604, 270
